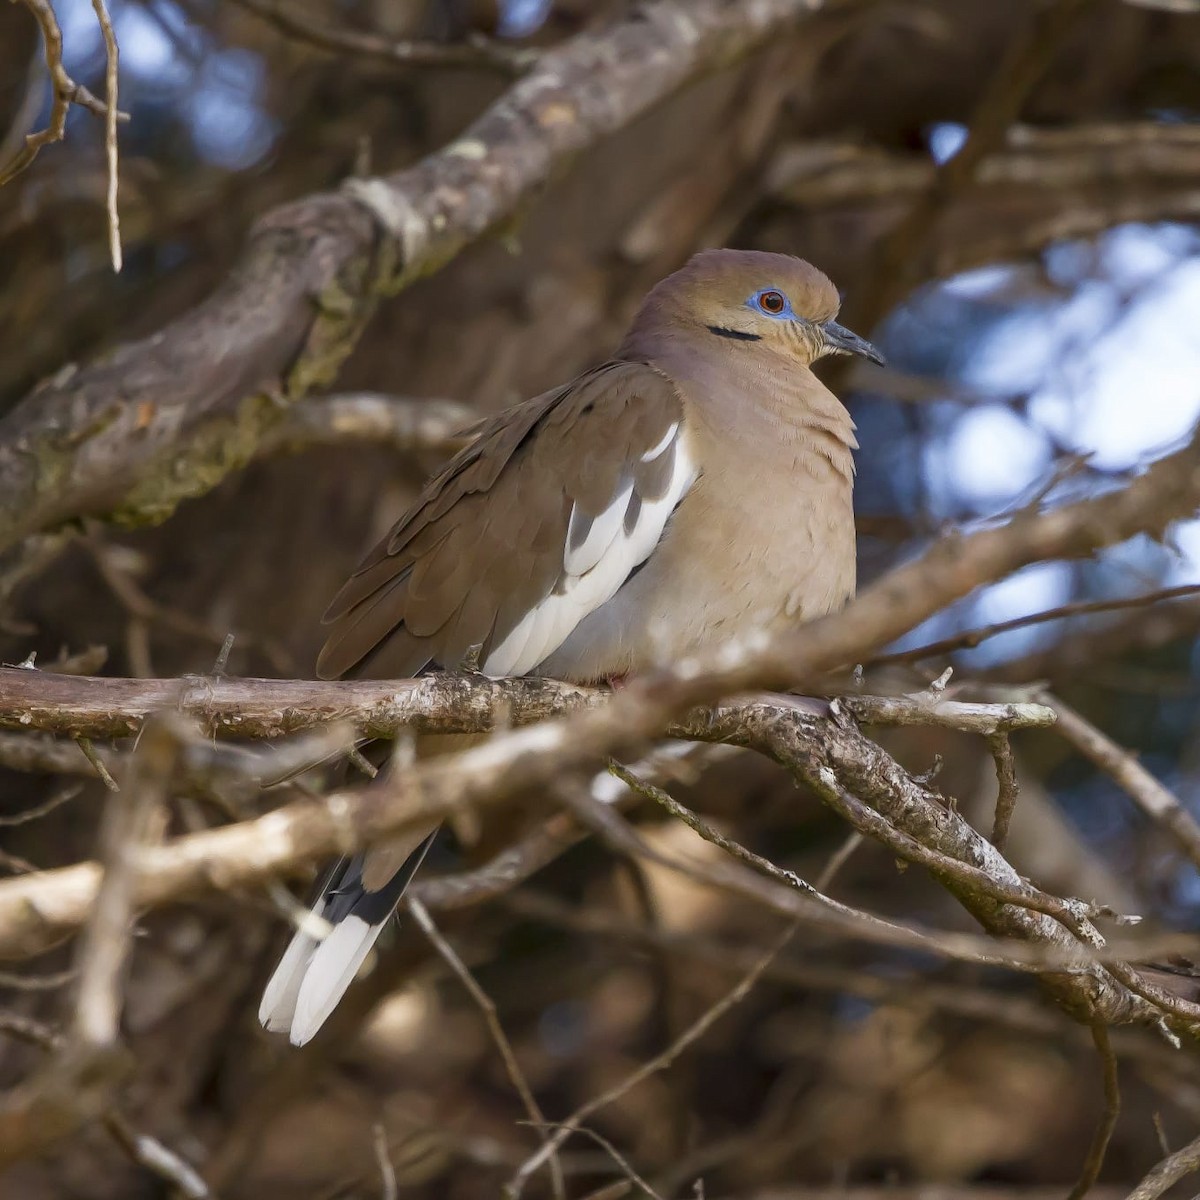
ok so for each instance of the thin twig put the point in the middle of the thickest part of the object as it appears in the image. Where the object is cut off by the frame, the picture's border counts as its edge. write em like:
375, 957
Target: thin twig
104, 946
659, 1062
1168, 1172
16, 864
36, 983
41, 810
27, 1029
840, 857
157, 1158
64, 92
622, 1162
112, 60
709, 833
97, 763
387, 1172
488, 1008
1072, 914
143, 607
145, 1150
1108, 1122
362, 762
970, 638
824, 913
478, 52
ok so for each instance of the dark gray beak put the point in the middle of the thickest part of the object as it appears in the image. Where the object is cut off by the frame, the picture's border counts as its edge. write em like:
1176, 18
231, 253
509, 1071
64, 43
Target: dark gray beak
839, 340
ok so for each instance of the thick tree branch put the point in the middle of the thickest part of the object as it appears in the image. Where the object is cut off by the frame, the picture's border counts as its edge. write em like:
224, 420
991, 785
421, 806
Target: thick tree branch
87, 706
157, 421
168, 418
101, 707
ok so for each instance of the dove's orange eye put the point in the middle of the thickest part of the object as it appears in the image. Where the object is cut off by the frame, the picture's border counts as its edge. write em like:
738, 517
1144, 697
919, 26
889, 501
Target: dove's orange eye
772, 302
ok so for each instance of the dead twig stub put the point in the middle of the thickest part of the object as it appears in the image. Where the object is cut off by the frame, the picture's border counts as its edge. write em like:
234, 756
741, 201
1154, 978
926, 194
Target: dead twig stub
1007, 788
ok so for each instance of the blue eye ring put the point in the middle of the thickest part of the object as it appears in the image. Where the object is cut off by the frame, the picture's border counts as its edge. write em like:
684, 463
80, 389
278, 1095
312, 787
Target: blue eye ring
772, 302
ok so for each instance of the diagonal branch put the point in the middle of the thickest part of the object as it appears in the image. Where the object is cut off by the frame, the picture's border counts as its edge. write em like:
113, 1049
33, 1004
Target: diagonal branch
36, 909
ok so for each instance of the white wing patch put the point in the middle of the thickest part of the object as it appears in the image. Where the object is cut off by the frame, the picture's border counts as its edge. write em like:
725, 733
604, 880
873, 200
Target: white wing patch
596, 568
667, 439
580, 559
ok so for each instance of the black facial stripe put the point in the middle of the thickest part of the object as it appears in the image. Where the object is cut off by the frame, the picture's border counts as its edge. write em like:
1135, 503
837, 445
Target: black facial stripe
736, 334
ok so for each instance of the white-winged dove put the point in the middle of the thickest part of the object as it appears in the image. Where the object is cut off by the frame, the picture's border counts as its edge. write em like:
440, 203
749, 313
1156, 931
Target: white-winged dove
694, 488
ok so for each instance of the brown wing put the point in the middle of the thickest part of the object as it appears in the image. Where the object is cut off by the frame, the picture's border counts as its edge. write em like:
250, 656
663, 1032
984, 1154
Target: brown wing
517, 519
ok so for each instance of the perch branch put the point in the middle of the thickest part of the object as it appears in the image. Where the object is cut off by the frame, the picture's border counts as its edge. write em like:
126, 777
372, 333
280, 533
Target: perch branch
86, 706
